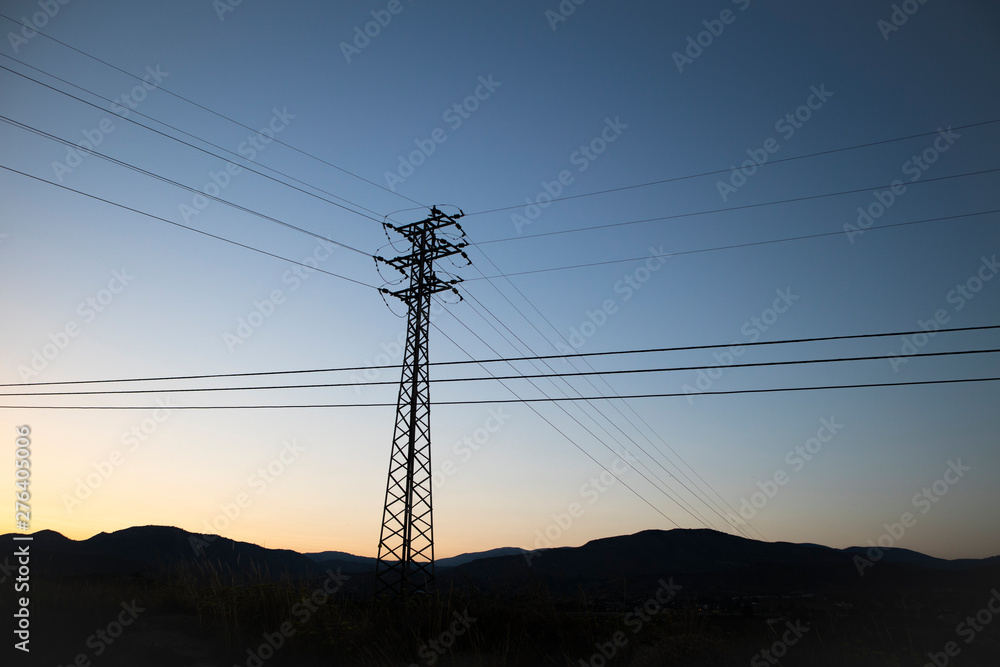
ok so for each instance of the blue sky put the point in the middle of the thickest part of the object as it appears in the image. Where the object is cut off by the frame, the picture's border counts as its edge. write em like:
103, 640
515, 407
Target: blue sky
601, 100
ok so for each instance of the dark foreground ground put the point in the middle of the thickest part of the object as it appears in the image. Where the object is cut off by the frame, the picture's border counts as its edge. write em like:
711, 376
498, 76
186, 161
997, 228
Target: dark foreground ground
205, 619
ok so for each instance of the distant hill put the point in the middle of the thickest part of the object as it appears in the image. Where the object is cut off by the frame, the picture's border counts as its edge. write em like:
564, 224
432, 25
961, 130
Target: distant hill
343, 560
148, 550
341, 556
897, 555
705, 559
454, 561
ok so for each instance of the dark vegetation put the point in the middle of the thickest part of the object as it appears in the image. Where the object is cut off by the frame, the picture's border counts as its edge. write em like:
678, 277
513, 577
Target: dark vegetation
722, 601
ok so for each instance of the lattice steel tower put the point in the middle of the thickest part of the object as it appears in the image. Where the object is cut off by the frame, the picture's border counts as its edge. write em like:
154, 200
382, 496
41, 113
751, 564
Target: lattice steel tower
406, 548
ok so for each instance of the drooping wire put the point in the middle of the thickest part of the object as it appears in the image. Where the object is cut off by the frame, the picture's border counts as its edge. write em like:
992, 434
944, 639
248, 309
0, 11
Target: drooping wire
187, 134
684, 348
205, 108
190, 229
716, 172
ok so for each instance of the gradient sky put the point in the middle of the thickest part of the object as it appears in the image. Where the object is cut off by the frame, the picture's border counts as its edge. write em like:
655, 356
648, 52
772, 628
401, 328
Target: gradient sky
556, 86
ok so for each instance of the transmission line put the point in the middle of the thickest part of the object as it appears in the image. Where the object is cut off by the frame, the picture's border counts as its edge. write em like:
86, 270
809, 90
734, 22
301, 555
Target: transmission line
190, 145
685, 348
690, 509
734, 208
607, 384
559, 430
205, 108
190, 229
741, 245
731, 169
613, 404
187, 134
537, 376
725, 247
557, 399
181, 185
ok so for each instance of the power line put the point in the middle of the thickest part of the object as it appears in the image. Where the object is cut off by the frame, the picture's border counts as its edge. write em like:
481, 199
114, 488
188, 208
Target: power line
517, 377
187, 134
577, 196
122, 163
725, 247
501, 400
637, 417
191, 229
730, 169
685, 348
572, 441
140, 170
205, 108
190, 145
733, 208
690, 509
740, 245
519, 273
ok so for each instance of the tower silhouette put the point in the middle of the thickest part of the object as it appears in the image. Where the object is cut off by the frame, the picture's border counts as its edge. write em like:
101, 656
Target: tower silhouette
405, 562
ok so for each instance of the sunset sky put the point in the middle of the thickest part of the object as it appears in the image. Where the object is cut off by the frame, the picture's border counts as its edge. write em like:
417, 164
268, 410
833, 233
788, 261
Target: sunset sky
486, 106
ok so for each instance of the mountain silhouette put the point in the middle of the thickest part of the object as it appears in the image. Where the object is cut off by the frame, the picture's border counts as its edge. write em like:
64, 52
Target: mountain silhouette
360, 562
708, 560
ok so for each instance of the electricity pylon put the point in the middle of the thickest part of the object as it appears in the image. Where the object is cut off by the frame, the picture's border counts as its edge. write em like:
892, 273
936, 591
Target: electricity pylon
406, 548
